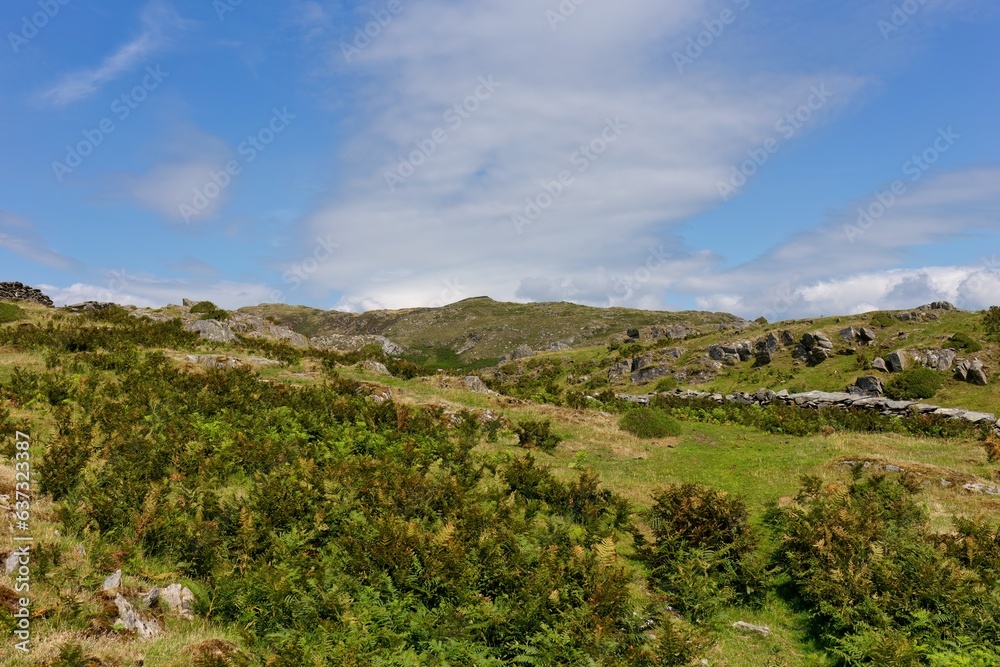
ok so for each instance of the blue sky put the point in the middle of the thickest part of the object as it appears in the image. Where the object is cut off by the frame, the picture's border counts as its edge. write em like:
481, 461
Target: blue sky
711, 154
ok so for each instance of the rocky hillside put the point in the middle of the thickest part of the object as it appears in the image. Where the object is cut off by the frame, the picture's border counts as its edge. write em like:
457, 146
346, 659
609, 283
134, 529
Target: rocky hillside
483, 329
862, 354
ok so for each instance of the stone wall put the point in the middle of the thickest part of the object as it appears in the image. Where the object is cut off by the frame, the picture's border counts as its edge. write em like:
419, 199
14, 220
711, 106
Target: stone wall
19, 292
815, 400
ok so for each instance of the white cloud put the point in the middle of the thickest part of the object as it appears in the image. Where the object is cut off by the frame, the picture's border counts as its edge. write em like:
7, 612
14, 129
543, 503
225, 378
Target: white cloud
153, 292
159, 21
556, 90
178, 186
830, 270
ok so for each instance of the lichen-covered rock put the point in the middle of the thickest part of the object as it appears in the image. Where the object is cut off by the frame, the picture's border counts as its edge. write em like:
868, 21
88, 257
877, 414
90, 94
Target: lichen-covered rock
211, 330
129, 619
179, 599
897, 361
376, 367
522, 352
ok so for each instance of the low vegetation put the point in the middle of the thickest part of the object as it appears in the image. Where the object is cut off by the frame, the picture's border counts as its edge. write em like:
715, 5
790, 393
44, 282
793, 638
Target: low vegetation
209, 311
650, 423
9, 312
323, 513
914, 383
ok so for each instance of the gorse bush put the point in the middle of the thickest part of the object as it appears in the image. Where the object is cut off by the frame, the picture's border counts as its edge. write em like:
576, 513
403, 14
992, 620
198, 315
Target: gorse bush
702, 552
209, 311
537, 434
111, 329
882, 320
914, 383
650, 423
10, 312
667, 384
991, 324
965, 343
881, 587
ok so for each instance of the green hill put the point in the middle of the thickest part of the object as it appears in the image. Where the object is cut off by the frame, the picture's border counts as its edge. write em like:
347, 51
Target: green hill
481, 328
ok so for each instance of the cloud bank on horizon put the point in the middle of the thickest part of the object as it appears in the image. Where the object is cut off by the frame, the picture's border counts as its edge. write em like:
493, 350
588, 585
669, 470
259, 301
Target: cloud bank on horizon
758, 158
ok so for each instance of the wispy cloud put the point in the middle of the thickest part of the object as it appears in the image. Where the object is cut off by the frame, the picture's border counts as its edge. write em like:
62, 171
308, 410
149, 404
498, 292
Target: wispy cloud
159, 22
828, 270
451, 219
184, 159
18, 235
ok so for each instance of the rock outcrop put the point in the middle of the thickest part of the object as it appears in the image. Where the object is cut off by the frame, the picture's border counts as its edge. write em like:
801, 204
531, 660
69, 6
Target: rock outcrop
21, 292
861, 336
179, 599
89, 306
869, 385
897, 361
814, 348
376, 367
939, 360
211, 330
972, 371
732, 353
129, 619
522, 352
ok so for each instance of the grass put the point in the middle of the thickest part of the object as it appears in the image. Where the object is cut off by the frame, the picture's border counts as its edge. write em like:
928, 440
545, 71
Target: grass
760, 467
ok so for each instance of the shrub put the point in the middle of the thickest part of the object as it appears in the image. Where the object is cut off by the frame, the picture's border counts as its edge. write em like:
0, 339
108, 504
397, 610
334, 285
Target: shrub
878, 582
667, 384
537, 435
209, 311
914, 383
702, 552
761, 321
965, 343
650, 423
881, 320
10, 312
991, 324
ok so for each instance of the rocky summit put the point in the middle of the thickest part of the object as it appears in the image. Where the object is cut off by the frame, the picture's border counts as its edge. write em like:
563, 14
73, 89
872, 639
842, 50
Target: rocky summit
21, 292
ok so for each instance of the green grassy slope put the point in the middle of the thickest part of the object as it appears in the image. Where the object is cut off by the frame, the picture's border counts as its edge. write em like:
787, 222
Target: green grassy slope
587, 369
763, 468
